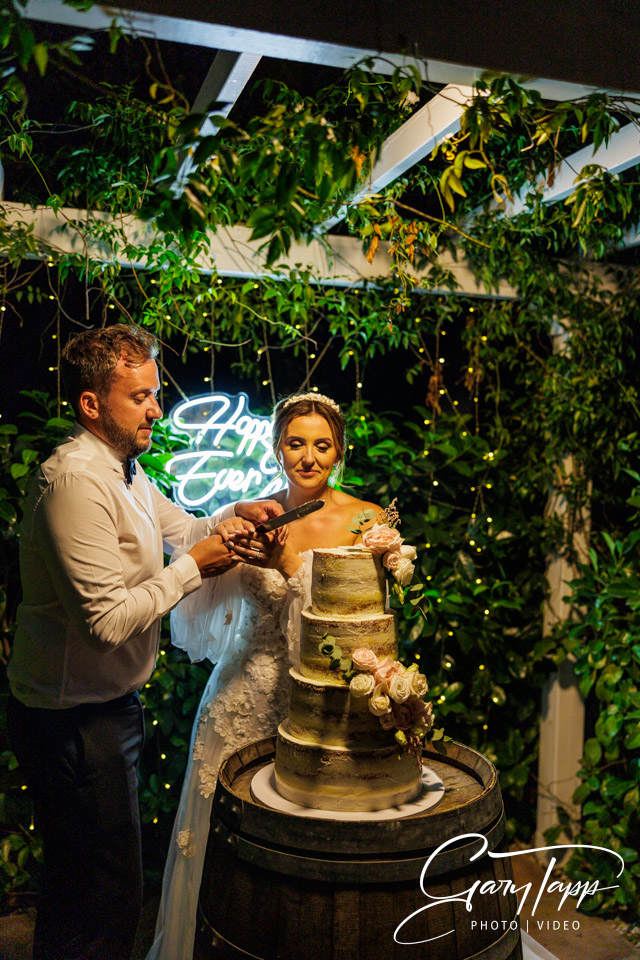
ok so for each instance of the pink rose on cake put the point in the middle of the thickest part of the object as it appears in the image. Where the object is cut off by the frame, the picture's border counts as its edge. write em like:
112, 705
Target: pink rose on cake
386, 669
403, 715
387, 721
380, 538
413, 714
423, 719
401, 567
364, 659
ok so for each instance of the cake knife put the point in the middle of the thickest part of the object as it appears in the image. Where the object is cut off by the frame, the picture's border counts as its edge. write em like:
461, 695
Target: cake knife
290, 515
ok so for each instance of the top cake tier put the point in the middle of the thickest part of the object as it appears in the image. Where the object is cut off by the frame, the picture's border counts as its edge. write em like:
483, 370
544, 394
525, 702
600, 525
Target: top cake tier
347, 581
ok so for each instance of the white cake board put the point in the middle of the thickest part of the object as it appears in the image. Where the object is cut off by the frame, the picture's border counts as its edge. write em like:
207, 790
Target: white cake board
263, 789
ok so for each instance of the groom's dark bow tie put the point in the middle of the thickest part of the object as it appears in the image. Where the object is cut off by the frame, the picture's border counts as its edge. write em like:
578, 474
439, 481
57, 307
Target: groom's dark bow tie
129, 470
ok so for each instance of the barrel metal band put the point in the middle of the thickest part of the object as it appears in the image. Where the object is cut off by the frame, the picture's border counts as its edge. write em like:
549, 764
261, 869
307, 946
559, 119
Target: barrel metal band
361, 871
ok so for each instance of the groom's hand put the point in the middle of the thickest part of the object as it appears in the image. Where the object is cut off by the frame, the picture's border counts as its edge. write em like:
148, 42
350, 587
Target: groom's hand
212, 556
258, 511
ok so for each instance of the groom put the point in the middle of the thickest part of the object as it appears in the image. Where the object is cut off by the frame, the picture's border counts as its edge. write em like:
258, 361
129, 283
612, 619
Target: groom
95, 589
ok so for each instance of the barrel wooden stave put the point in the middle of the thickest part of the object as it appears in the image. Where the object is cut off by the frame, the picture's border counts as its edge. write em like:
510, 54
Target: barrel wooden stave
274, 917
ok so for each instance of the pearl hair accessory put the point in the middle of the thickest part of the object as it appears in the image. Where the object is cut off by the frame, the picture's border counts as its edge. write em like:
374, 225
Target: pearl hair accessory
312, 396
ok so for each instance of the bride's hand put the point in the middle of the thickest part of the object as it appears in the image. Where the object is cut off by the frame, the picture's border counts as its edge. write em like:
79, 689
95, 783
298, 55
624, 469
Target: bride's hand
267, 550
235, 526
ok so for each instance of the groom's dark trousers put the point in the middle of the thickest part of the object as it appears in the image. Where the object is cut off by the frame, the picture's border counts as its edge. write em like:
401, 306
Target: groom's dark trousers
80, 766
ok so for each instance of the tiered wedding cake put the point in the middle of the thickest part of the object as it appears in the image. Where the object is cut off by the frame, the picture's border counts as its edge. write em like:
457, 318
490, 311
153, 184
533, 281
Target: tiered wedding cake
333, 752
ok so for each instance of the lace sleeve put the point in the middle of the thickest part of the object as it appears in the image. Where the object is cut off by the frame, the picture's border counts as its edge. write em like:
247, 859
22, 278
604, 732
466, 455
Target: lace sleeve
205, 623
298, 598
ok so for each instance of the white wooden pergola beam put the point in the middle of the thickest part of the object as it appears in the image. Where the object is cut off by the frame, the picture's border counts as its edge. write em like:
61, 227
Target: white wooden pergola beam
220, 36
336, 261
227, 77
412, 142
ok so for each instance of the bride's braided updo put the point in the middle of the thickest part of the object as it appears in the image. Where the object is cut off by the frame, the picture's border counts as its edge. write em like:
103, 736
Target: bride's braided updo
303, 405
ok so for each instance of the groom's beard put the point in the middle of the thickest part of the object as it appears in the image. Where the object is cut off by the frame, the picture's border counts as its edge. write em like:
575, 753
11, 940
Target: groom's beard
127, 444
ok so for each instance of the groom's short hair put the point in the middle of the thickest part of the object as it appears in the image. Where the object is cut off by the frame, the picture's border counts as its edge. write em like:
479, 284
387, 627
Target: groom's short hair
89, 359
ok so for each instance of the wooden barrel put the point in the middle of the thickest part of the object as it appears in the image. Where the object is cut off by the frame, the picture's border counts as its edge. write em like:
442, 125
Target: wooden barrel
281, 887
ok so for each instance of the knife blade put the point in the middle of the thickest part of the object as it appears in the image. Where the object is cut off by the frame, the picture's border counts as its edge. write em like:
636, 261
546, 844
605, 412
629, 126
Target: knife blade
290, 515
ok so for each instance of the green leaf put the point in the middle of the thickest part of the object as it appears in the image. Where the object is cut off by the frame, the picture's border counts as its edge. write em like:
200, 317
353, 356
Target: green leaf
41, 57
592, 751
632, 739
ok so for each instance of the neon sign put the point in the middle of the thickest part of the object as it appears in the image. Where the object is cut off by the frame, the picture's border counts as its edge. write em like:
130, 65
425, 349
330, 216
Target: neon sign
229, 457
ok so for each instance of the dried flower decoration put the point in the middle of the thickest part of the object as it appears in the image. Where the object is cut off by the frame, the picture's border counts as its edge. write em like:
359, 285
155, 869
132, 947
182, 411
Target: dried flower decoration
390, 515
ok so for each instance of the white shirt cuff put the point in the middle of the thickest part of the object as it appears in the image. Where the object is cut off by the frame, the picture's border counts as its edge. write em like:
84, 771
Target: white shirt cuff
189, 573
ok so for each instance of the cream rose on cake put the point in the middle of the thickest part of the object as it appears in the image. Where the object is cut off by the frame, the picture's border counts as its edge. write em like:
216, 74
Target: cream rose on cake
400, 688
362, 685
419, 685
379, 702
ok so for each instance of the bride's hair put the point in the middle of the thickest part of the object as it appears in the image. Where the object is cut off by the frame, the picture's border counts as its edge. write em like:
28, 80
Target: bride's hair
304, 405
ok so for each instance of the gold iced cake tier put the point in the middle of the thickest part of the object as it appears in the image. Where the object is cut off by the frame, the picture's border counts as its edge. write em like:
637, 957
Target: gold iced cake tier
376, 631
348, 581
328, 777
323, 713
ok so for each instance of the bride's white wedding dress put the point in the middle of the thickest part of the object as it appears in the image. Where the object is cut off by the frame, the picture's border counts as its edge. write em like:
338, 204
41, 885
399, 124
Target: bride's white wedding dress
235, 621
239, 621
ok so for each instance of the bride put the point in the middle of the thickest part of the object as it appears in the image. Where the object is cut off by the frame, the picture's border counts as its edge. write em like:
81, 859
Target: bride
240, 621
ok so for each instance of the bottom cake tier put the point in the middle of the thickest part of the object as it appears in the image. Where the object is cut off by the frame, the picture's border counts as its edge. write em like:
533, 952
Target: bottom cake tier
341, 778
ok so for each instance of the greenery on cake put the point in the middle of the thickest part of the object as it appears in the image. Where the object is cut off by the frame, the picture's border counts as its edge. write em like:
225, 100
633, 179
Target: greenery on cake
395, 693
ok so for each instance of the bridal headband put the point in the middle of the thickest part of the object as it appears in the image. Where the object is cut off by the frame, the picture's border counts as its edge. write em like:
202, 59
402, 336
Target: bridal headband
316, 397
